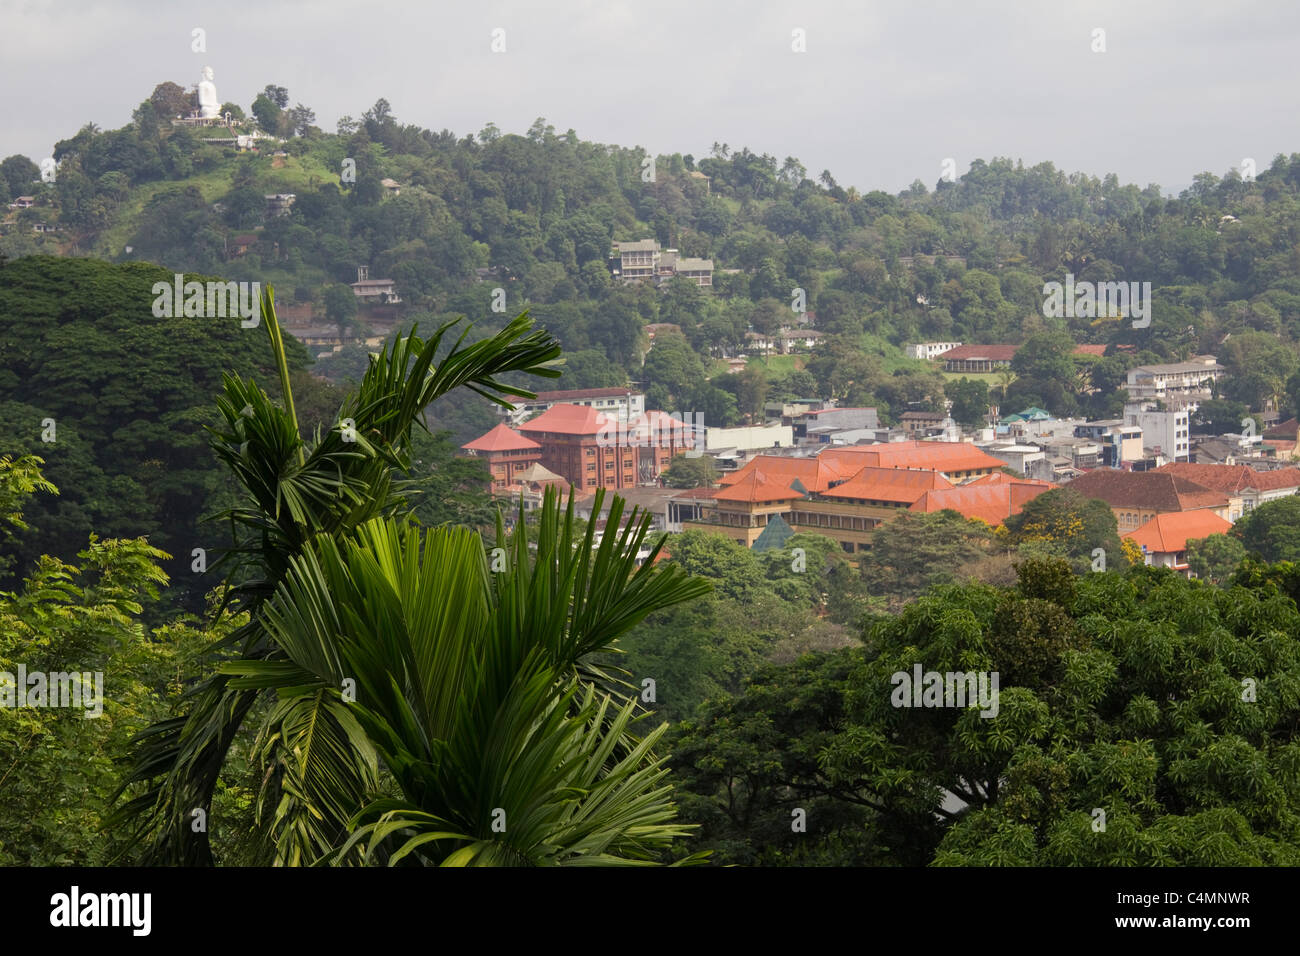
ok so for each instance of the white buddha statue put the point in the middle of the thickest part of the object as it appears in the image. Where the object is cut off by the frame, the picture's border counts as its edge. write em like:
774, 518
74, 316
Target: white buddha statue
209, 102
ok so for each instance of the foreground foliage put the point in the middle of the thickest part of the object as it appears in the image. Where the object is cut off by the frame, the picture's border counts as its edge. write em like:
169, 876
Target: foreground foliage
419, 708
1144, 720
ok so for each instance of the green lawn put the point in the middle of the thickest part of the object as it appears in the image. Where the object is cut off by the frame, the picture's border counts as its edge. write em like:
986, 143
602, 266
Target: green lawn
777, 365
992, 378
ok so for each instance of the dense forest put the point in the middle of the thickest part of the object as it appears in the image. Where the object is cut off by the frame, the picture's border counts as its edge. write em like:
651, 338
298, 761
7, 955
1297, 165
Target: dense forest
311, 657
535, 215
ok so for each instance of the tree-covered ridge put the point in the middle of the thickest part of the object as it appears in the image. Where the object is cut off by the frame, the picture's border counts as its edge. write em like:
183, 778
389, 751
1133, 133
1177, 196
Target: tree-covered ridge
535, 214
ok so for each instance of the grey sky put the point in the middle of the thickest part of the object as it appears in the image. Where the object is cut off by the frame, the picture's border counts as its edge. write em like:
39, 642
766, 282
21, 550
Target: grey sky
885, 91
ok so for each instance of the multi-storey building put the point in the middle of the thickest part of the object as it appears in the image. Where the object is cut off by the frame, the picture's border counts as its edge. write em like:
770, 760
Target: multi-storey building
1166, 432
645, 259
593, 449
638, 260
1119, 442
1178, 384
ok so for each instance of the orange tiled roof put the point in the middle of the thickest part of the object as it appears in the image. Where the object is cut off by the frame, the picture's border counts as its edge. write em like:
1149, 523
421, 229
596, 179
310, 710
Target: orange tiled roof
992, 503
946, 456
758, 487
889, 484
569, 420
1168, 533
501, 438
815, 474
1231, 479
1002, 478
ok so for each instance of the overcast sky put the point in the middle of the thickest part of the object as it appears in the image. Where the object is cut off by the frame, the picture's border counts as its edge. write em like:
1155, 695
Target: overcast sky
885, 91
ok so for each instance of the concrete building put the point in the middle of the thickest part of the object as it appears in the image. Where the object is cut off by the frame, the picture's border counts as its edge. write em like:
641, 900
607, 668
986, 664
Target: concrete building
279, 204
699, 271
623, 403
1178, 384
1164, 432
368, 290
641, 259
638, 259
1017, 457
832, 419
1119, 442
922, 422
1083, 454
747, 438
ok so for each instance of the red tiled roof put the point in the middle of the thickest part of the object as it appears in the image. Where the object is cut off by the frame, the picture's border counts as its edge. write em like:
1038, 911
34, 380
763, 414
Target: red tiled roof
1089, 350
995, 353
1231, 479
1169, 533
1155, 490
501, 438
889, 484
1284, 430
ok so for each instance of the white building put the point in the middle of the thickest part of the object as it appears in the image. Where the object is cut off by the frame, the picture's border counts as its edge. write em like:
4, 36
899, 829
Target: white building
748, 438
1178, 385
1168, 432
1017, 457
623, 403
929, 350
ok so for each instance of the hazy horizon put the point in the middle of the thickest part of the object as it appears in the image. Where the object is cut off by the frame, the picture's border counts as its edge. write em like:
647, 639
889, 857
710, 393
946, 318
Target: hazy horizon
880, 98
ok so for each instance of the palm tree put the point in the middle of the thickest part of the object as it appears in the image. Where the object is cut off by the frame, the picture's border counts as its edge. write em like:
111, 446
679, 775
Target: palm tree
1005, 378
470, 689
332, 506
